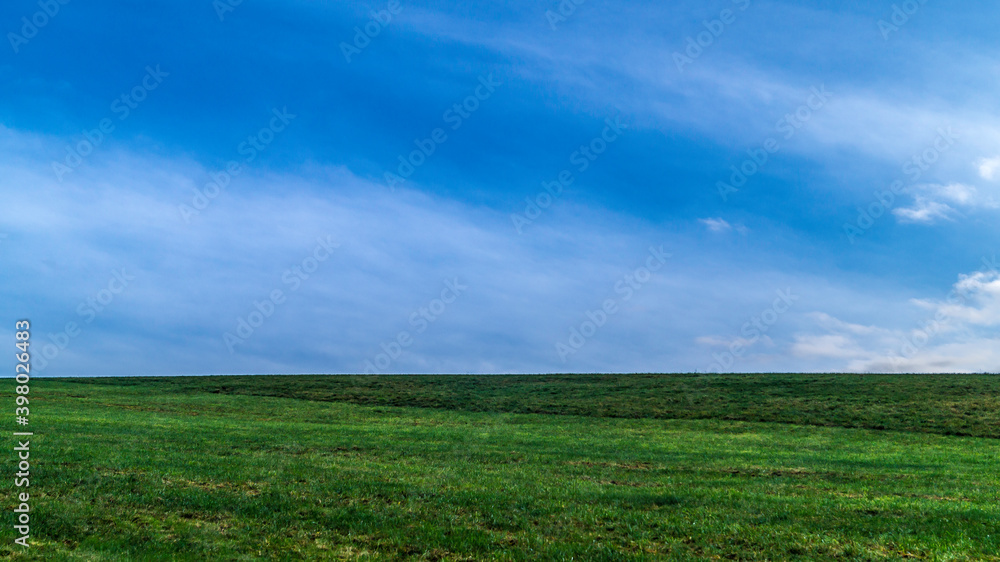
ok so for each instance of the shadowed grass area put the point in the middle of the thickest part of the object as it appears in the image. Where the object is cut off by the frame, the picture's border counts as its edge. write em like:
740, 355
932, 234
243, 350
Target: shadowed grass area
944, 404
162, 469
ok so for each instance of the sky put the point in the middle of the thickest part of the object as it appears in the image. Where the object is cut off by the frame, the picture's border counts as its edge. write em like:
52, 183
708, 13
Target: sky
225, 187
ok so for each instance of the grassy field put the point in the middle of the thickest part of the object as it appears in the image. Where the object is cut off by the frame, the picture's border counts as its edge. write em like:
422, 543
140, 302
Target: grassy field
638, 467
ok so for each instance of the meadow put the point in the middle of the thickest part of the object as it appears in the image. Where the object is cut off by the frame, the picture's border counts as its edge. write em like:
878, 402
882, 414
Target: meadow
568, 467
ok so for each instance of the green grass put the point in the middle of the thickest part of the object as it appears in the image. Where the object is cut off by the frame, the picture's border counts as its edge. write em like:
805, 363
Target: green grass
514, 468
944, 404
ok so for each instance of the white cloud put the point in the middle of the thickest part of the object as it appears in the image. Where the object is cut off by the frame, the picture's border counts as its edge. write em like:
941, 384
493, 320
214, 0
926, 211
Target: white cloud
936, 201
956, 192
988, 167
838, 346
978, 300
924, 211
958, 334
716, 225
721, 225
829, 322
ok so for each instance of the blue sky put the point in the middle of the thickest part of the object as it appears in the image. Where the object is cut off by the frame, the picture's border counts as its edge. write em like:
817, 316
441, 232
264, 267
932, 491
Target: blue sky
235, 214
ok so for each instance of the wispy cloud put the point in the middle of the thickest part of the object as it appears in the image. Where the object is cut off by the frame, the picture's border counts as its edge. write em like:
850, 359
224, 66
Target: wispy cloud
957, 334
199, 278
924, 210
722, 225
716, 225
912, 129
933, 202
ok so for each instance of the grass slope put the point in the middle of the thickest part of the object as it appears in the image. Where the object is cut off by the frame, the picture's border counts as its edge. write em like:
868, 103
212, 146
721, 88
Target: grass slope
161, 469
944, 404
